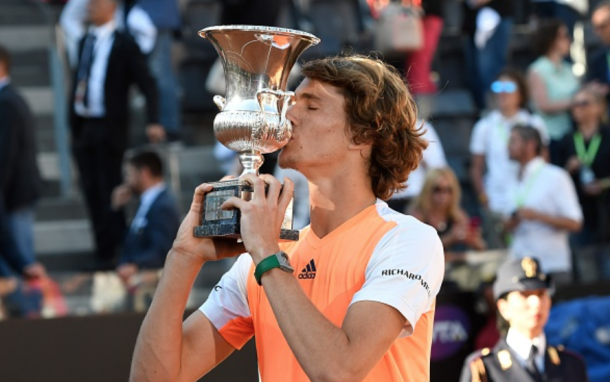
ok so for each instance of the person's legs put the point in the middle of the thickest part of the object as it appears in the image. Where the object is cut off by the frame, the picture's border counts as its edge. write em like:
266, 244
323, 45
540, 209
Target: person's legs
112, 223
471, 68
21, 222
160, 64
492, 57
418, 63
85, 152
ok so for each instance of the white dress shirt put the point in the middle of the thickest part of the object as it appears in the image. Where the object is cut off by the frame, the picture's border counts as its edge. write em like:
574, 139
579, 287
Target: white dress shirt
146, 200
522, 347
101, 51
490, 138
549, 190
73, 23
433, 157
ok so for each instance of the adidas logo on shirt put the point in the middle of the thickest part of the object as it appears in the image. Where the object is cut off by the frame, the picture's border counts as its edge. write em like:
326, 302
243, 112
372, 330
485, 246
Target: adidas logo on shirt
309, 272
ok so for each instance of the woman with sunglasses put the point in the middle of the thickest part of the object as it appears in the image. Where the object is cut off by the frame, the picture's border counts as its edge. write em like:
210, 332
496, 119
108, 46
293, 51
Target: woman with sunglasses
552, 82
585, 154
489, 140
439, 206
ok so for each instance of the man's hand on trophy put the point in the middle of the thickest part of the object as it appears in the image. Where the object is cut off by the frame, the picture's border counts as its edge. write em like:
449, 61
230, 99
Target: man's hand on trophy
262, 216
197, 249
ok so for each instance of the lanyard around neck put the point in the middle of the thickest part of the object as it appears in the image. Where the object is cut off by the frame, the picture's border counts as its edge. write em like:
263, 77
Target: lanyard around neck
520, 197
586, 156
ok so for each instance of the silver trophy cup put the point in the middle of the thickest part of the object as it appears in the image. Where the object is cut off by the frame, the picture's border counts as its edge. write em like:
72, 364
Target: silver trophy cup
252, 120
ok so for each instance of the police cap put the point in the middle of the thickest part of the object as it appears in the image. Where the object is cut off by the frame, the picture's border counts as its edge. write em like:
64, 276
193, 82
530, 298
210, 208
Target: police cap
520, 275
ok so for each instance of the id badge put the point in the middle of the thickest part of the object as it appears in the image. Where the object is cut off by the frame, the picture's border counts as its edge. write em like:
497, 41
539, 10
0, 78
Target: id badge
586, 175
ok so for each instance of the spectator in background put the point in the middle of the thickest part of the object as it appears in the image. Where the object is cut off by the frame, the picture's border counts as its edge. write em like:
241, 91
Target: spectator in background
19, 176
165, 16
418, 63
598, 70
544, 207
433, 157
489, 24
439, 206
489, 140
568, 11
130, 18
585, 154
552, 82
156, 222
522, 295
109, 62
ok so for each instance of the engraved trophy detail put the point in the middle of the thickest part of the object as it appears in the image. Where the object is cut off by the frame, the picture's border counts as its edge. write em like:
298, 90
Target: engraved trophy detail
252, 120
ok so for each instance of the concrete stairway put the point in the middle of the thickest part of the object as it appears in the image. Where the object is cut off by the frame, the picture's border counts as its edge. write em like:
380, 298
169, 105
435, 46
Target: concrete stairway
63, 239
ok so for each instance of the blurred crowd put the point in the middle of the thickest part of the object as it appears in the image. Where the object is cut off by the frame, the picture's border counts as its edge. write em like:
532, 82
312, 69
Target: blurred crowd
540, 152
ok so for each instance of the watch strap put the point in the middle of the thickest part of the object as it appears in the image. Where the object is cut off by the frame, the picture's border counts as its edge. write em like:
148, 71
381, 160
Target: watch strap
265, 265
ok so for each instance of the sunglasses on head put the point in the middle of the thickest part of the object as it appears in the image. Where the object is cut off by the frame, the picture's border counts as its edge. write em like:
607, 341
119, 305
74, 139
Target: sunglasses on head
439, 189
581, 103
503, 87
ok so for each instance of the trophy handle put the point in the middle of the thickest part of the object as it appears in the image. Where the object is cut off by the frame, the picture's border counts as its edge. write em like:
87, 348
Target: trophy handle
288, 98
220, 101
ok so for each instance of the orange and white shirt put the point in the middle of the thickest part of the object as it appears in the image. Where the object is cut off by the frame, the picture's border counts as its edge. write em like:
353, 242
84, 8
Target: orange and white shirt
378, 255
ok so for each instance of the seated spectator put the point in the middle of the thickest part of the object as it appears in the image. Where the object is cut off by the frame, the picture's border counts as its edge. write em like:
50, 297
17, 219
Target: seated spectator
439, 206
157, 220
521, 291
585, 154
552, 82
544, 207
433, 157
489, 140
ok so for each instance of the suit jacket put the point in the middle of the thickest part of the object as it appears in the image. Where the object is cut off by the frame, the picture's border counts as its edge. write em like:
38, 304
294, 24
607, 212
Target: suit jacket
126, 66
19, 176
500, 365
148, 246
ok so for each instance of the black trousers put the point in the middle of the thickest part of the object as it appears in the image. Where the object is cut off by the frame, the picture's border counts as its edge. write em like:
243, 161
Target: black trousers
100, 169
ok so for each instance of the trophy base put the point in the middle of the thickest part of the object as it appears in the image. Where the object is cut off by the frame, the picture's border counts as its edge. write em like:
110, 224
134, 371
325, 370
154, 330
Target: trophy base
219, 223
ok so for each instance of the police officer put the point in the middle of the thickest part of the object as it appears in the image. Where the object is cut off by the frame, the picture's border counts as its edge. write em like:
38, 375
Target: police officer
521, 292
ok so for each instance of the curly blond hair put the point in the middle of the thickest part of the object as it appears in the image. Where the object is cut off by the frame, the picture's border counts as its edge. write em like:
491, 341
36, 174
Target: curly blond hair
380, 111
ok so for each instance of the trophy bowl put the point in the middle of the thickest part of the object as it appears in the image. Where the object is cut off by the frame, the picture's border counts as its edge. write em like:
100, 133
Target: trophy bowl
257, 61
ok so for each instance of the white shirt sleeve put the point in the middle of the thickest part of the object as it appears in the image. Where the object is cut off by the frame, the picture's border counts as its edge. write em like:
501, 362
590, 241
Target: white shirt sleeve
478, 140
566, 199
228, 299
142, 29
434, 155
405, 272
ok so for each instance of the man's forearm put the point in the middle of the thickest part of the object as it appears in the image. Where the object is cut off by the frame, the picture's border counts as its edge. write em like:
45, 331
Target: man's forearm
318, 345
158, 351
559, 222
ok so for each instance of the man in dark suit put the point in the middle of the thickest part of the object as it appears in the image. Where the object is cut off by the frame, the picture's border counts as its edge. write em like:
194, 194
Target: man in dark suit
598, 64
109, 63
19, 176
156, 222
522, 354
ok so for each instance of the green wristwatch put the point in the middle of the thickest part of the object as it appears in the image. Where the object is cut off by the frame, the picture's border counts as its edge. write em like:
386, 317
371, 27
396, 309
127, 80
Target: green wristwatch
277, 260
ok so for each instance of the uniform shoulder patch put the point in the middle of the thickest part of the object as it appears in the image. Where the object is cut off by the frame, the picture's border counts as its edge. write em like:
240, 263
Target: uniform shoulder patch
505, 359
554, 355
